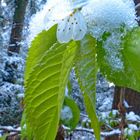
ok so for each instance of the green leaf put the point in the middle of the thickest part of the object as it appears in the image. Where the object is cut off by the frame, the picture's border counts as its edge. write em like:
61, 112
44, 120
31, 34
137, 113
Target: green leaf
39, 45
4, 137
69, 87
130, 75
26, 131
131, 45
44, 91
72, 123
90, 107
86, 70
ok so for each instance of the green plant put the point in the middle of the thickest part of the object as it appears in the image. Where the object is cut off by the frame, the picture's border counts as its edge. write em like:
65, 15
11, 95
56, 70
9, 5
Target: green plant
47, 71
69, 42
132, 134
4, 137
70, 113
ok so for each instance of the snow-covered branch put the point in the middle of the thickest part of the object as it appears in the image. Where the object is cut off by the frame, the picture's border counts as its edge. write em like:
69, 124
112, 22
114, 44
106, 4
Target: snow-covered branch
10, 129
103, 134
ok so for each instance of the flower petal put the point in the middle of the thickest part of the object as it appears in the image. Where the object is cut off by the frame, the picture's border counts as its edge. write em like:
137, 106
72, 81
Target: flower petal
79, 26
64, 31
56, 11
59, 10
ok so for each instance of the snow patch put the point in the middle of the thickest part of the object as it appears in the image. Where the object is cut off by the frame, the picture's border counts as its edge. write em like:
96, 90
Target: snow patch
131, 116
133, 127
66, 113
104, 15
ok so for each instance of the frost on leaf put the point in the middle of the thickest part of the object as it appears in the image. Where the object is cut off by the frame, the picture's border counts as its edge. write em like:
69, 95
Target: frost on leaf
112, 47
103, 16
66, 114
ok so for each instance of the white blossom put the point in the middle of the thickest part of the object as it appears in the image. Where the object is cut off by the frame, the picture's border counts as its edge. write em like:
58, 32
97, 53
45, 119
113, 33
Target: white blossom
95, 17
65, 13
72, 27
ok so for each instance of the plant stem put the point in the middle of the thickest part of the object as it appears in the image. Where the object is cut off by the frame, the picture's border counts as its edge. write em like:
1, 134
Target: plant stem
122, 112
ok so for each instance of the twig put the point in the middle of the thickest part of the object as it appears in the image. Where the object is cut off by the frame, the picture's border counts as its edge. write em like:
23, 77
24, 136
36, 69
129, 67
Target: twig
83, 115
3, 128
122, 111
13, 134
137, 6
111, 133
108, 126
103, 134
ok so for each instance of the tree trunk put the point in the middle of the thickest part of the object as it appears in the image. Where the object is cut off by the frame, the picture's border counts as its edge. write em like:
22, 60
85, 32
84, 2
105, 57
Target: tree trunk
114, 137
60, 133
138, 8
131, 97
17, 27
15, 38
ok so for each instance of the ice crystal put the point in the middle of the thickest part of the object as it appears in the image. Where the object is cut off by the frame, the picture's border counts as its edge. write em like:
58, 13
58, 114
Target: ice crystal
104, 15
112, 48
110, 16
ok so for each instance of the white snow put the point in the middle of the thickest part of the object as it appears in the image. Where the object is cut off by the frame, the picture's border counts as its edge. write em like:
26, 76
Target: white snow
111, 84
104, 115
66, 113
105, 105
112, 48
113, 132
115, 112
18, 129
131, 116
6, 127
138, 18
21, 96
133, 127
128, 131
110, 16
126, 104
3, 3
36, 25
66, 91
105, 15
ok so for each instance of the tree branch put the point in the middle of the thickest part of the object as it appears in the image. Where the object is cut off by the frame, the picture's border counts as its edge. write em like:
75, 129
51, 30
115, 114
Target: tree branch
4, 128
103, 134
